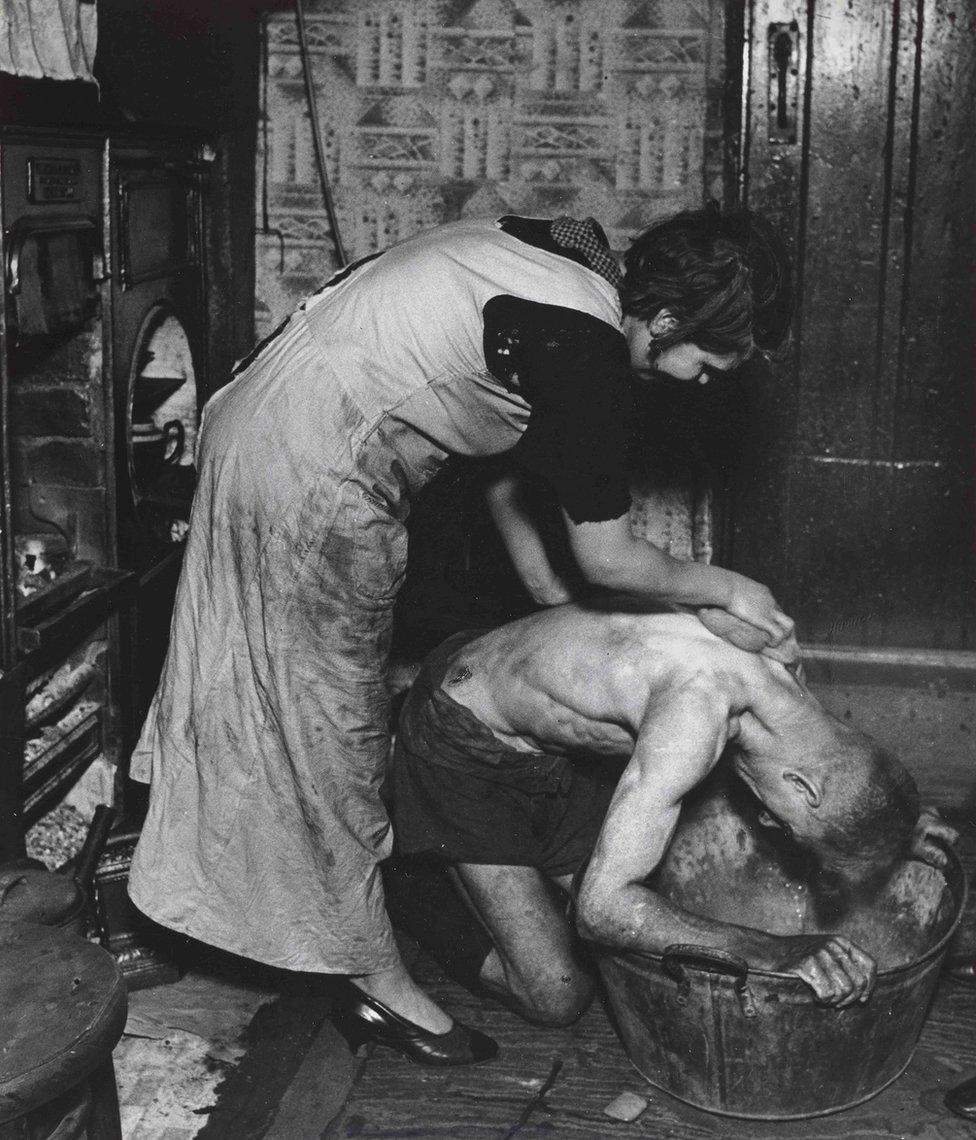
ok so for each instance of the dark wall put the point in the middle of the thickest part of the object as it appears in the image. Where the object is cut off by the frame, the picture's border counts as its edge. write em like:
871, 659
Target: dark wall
169, 63
860, 512
183, 63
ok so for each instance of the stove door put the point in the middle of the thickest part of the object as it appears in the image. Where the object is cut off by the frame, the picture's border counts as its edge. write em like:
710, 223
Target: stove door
158, 354
158, 328
156, 207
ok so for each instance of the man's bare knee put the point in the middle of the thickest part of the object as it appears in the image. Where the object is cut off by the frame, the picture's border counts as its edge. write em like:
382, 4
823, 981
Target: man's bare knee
560, 998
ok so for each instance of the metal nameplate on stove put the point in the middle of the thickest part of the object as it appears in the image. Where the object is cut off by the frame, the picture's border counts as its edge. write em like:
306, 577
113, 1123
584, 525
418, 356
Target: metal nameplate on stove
53, 179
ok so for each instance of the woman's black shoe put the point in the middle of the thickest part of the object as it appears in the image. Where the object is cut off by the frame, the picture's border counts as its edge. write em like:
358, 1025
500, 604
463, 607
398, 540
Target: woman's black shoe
363, 1020
962, 1099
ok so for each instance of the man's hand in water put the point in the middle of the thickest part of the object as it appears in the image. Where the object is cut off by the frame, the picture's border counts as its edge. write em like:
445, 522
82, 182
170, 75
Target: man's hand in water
837, 971
931, 836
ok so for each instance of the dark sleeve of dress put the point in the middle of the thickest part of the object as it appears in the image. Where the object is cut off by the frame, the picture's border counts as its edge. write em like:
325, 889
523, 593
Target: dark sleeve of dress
574, 371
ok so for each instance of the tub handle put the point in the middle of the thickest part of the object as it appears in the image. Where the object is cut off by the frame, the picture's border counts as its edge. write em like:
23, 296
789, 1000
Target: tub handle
675, 957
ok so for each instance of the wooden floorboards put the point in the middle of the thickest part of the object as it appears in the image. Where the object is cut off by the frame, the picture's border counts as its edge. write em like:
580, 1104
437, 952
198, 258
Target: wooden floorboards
281, 1039
584, 1067
394, 1099
297, 1079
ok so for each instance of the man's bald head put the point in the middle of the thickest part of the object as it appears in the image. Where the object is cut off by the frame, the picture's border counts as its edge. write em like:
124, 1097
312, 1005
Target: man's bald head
867, 816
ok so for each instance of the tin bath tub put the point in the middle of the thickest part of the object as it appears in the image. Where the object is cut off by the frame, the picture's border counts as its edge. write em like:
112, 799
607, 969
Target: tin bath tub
704, 1027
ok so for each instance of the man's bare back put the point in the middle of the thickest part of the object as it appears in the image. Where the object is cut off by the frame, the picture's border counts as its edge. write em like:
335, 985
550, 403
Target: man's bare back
667, 695
572, 680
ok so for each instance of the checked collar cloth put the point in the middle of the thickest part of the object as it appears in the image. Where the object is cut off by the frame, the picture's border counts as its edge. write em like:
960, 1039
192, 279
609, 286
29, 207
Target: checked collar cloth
588, 239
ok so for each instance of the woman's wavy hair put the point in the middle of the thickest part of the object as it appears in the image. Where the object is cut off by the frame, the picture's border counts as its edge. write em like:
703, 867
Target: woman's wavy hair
726, 278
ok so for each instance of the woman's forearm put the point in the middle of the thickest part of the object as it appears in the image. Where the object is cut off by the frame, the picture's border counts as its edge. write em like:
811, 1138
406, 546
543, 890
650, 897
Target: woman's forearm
634, 566
522, 540
609, 556
647, 571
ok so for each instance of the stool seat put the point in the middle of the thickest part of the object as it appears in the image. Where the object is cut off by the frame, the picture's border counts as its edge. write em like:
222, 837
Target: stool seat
63, 1003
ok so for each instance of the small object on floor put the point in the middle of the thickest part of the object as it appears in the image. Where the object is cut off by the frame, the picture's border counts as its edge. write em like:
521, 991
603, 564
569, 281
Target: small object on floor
625, 1108
961, 968
362, 1020
962, 1099
537, 1101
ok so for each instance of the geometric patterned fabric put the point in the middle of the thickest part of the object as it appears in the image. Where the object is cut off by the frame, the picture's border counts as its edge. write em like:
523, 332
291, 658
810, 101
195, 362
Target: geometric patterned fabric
434, 110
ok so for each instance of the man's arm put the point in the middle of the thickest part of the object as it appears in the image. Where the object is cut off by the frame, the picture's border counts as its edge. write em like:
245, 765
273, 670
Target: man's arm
680, 740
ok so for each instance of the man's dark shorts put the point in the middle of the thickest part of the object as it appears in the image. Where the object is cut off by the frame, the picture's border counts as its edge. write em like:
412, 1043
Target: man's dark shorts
460, 794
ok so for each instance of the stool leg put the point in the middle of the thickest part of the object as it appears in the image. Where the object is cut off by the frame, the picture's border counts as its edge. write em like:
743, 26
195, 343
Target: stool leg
105, 1122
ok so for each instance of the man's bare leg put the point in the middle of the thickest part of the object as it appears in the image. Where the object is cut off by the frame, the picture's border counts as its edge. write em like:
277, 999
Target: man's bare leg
534, 965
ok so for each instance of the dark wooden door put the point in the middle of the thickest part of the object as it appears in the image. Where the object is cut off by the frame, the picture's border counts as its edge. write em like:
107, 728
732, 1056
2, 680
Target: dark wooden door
858, 138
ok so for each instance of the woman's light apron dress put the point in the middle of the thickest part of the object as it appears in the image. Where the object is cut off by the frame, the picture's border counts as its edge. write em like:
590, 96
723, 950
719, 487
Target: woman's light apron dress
268, 737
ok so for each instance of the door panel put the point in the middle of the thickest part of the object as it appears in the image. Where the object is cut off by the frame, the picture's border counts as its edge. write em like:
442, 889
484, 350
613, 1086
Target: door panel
858, 507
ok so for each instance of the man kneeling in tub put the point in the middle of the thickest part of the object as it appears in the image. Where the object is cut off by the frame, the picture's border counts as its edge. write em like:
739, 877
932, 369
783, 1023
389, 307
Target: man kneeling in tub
505, 774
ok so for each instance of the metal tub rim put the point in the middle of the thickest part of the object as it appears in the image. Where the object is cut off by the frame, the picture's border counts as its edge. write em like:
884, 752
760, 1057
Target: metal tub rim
956, 882
960, 892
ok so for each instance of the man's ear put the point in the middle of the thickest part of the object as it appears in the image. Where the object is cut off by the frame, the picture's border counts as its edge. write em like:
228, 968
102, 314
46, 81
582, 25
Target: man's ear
662, 322
806, 786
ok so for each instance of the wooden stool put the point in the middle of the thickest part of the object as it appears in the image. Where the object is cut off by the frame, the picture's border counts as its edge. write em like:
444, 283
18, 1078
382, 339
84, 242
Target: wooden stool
62, 1010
